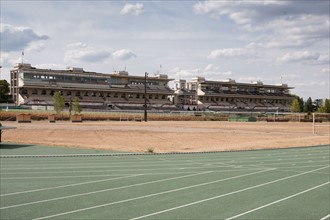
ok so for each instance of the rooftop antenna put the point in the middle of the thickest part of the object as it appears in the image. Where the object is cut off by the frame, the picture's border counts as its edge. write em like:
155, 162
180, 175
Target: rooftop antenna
281, 79
22, 56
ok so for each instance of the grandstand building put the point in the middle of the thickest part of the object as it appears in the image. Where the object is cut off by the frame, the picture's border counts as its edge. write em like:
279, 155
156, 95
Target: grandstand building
35, 87
205, 95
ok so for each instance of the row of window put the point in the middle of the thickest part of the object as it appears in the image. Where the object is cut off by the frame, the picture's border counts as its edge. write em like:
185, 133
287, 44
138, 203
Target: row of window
92, 94
242, 89
217, 99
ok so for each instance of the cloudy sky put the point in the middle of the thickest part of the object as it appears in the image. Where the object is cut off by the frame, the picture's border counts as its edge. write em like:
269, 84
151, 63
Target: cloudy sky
274, 41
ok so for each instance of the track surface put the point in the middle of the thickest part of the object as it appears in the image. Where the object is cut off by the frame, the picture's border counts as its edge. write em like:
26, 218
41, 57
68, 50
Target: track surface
265, 184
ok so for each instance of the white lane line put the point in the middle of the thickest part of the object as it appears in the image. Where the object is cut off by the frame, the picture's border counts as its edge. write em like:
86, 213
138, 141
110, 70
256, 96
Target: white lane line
223, 195
89, 176
92, 167
100, 171
325, 217
104, 190
69, 185
138, 158
165, 160
55, 177
150, 195
277, 201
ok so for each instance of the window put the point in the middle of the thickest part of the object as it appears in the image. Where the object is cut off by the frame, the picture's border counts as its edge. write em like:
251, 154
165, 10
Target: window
77, 93
34, 92
43, 92
68, 93
137, 96
150, 96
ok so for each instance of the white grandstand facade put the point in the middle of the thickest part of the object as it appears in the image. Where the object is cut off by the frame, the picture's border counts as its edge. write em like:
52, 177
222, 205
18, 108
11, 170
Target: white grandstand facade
118, 90
204, 95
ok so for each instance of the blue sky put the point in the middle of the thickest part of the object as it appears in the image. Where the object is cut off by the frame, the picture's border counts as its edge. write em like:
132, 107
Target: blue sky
271, 41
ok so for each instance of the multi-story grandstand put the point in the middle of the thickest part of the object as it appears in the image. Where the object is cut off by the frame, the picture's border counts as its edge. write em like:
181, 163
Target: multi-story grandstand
201, 94
120, 91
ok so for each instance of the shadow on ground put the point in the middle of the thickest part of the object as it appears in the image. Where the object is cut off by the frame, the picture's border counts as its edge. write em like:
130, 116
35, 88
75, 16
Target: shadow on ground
13, 146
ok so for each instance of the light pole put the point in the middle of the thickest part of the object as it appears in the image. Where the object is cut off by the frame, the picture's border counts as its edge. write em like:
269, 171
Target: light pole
145, 96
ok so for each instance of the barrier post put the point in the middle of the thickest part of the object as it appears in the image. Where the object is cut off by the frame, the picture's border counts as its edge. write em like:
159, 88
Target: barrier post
313, 123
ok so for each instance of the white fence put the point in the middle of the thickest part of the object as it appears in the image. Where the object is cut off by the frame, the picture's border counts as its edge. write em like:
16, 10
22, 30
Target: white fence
321, 123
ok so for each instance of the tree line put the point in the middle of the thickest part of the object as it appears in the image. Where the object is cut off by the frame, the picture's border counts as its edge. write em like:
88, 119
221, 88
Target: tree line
309, 106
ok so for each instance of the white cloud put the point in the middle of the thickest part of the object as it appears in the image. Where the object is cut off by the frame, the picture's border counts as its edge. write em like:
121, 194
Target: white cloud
299, 56
15, 38
259, 11
53, 66
283, 23
324, 59
35, 47
211, 67
305, 57
6, 61
325, 70
242, 12
123, 54
231, 53
77, 45
210, 72
132, 9
81, 52
300, 31
290, 76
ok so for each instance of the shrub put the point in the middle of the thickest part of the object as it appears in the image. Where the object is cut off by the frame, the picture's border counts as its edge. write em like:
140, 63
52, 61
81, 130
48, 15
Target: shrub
150, 150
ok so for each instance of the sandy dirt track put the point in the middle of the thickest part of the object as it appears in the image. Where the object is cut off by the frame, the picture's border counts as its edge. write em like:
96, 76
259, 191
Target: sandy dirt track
167, 136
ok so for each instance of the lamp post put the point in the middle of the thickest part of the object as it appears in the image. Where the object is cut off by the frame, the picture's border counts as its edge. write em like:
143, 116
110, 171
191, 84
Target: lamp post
145, 96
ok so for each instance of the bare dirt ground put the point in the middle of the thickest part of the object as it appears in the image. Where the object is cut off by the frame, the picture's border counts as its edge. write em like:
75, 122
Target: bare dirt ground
167, 136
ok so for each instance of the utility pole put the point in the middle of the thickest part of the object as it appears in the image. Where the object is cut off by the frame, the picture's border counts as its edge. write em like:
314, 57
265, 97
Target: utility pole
145, 96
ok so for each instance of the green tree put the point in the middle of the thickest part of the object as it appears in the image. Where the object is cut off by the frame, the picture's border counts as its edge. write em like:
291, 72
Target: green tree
59, 102
70, 107
301, 103
4, 89
295, 105
325, 108
308, 107
77, 107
